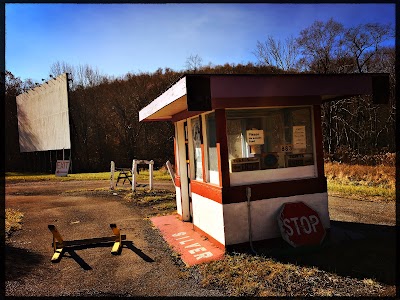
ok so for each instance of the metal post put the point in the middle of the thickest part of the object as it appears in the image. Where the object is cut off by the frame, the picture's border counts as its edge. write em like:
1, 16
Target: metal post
134, 172
70, 161
112, 175
151, 174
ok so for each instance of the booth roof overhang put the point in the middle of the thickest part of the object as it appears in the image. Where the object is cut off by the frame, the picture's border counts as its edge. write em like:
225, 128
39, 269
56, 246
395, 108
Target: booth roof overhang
196, 93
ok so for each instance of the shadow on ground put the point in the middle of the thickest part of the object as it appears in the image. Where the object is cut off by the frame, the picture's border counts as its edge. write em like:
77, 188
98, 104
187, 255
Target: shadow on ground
349, 249
19, 262
70, 252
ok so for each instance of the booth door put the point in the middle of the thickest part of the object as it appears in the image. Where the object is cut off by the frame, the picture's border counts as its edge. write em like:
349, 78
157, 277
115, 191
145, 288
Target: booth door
184, 170
188, 170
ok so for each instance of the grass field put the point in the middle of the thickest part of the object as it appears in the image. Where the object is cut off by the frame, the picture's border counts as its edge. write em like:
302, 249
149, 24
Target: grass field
143, 175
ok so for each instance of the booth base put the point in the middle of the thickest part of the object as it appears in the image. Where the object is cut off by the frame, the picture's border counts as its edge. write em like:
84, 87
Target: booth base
192, 247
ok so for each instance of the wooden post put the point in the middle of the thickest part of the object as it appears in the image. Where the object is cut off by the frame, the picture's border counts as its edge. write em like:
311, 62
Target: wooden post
151, 174
112, 175
134, 172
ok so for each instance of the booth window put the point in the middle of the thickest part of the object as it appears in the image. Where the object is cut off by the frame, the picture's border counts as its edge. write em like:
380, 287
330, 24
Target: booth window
269, 138
212, 155
197, 137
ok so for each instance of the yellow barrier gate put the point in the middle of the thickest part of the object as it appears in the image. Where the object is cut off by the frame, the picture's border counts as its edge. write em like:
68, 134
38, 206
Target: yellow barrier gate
59, 245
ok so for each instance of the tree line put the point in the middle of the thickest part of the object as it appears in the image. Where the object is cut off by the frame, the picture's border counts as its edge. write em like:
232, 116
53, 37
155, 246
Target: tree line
104, 110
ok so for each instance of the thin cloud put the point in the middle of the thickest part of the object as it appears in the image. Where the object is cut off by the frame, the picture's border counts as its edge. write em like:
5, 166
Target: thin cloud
119, 38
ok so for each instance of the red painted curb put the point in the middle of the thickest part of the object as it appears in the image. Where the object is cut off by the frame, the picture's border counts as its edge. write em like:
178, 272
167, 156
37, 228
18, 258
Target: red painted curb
193, 248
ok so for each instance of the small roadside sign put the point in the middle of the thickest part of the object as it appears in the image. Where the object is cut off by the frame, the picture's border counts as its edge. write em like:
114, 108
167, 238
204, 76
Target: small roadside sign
300, 225
62, 167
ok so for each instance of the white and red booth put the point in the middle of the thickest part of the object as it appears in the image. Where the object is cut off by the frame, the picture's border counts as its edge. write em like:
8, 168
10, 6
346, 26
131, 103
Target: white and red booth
263, 132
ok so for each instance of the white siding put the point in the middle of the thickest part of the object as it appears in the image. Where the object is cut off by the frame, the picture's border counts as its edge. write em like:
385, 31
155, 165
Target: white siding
208, 216
271, 175
178, 200
264, 217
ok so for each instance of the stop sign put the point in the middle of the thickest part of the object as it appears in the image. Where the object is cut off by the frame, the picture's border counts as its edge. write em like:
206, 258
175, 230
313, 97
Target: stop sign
300, 225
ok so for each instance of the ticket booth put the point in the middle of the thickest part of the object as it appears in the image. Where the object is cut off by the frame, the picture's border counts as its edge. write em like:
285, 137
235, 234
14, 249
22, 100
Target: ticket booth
263, 132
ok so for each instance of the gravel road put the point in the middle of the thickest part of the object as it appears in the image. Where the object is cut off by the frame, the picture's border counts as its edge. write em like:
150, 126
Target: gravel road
367, 212
146, 266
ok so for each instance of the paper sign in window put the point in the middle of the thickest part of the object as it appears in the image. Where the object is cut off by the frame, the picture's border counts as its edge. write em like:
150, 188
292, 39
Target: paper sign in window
299, 137
255, 137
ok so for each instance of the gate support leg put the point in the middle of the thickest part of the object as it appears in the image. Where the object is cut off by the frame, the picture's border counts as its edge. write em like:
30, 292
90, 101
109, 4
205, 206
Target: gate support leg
118, 243
56, 237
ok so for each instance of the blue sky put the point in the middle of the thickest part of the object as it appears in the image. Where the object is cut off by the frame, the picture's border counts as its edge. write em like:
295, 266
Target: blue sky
121, 38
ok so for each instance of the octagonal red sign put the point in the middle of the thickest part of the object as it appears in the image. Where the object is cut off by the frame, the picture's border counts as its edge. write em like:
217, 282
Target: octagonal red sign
300, 225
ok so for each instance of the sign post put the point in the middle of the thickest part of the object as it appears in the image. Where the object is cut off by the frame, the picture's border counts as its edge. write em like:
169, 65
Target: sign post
300, 225
171, 171
112, 175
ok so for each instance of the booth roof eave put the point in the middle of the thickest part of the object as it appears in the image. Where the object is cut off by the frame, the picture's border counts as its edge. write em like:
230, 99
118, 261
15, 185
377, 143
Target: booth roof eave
156, 111
172, 101
204, 92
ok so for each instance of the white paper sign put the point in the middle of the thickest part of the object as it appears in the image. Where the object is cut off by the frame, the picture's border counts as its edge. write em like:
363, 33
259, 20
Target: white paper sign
62, 167
255, 137
299, 137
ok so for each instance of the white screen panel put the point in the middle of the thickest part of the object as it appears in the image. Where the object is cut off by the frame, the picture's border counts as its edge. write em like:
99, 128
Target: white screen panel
43, 117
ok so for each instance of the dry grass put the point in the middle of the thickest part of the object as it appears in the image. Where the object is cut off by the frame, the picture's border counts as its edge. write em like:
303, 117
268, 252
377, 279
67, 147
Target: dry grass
382, 176
160, 202
248, 275
360, 182
361, 192
13, 221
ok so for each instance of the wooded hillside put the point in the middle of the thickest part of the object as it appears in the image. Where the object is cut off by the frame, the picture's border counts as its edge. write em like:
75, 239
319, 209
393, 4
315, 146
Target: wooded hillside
104, 110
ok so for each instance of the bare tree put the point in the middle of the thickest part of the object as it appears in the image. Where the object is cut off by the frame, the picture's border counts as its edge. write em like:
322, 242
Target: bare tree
82, 75
194, 63
60, 67
321, 45
273, 52
364, 41
88, 76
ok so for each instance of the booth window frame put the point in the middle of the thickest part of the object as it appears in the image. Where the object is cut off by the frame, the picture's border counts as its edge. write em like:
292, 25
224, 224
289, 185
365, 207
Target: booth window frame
278, 174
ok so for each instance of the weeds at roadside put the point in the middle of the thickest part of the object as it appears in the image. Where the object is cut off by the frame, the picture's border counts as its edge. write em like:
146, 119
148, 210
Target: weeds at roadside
361, 182
160, 201
359, 192
13, 221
